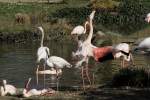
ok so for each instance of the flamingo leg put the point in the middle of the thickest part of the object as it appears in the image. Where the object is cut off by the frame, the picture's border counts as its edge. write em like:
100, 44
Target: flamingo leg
132, 61
83, 82
87, 70
57, 83
123, 63
93, 80
37, 76
44, 76
87, 73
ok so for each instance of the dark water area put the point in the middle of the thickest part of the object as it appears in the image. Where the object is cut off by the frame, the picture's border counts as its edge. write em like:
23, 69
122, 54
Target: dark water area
18, 63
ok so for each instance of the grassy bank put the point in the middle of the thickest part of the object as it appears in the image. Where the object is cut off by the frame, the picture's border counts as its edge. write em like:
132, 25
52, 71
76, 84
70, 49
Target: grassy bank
59, 19
23, 18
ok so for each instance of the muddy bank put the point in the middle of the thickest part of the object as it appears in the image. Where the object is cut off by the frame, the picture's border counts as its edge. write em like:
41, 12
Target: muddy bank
124, 93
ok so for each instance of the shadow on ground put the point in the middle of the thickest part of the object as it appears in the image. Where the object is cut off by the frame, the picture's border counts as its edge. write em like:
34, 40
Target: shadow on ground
118, 94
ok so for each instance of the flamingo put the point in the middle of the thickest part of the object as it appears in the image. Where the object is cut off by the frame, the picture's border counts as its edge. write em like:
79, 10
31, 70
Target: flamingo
87, 50
78, 30
143, 46
35, 92
43, 51
147, 19
56, 64
123, 50
7, 89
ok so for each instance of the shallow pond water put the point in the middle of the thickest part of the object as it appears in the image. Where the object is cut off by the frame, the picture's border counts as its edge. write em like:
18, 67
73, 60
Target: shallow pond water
18, 63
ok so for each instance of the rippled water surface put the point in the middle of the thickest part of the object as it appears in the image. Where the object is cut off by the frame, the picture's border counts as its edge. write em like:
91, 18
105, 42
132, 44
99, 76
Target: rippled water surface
18, 63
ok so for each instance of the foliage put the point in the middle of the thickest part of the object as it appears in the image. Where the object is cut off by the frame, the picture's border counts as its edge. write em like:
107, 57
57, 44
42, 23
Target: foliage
131, 77
128, 18
75, 15
104, 4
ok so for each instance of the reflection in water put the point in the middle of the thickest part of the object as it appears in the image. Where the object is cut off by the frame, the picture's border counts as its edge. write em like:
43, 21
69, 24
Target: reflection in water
18, 63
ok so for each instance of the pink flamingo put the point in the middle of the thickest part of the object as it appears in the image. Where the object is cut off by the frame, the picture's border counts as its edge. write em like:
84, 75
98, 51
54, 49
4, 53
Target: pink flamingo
86, 50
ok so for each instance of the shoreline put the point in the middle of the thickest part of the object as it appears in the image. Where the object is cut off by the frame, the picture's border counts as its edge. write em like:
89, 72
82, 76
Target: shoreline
95, 94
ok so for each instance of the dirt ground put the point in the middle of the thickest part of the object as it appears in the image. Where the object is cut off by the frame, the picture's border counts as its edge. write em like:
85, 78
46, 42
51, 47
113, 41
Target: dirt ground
93, 94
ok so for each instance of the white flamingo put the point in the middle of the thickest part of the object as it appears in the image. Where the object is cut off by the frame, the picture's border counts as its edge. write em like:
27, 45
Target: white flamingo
78, 30
143, 46
35, 92
123, 50
43, 51
147, 19
57, 63
7, 89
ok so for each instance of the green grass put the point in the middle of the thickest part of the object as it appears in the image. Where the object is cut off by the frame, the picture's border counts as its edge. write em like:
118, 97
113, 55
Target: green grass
40, 11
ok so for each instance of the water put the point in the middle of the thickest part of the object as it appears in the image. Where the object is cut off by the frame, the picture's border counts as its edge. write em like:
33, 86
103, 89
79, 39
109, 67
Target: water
18, 63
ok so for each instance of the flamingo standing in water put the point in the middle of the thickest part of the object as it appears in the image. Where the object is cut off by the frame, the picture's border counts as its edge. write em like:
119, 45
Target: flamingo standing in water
87, 49
35, 92
57, 63
7, 89
43, 51
144, 45
123, 50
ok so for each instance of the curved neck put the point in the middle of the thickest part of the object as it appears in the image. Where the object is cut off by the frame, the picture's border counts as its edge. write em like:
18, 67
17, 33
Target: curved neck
4, 84
85, 27
89, 38
27, 84
42, 39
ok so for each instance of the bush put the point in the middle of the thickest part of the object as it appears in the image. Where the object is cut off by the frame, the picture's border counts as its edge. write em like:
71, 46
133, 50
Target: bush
131, 77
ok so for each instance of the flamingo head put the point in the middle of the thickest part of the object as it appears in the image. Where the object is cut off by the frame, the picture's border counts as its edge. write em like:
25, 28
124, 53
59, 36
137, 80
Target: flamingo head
92, 14
69, 66
40, 28
4, 82
147, 19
